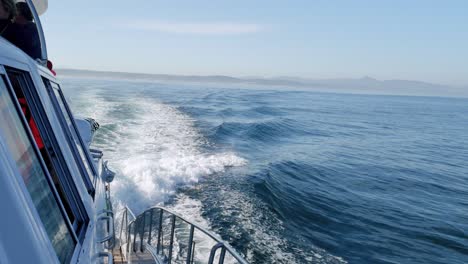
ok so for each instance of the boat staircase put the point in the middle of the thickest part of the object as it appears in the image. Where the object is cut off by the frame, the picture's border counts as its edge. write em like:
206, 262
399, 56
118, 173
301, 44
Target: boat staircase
161, 236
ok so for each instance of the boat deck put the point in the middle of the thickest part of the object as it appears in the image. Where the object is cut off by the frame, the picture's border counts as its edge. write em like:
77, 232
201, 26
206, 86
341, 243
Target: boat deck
136, 258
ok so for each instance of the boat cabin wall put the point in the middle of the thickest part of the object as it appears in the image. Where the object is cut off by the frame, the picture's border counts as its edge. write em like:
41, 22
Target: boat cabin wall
26, 233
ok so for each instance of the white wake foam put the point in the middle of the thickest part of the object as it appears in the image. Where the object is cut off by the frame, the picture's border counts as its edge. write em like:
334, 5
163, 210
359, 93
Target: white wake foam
153, 147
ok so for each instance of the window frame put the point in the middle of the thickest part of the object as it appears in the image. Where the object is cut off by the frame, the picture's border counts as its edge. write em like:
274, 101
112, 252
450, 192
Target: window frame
51, 144
25, 126
90, 180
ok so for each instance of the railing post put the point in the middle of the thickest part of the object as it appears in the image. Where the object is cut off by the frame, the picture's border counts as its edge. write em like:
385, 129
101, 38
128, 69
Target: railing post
135, 230
122, 226
126, 224
129, 228
150, 227
213, 252
222, 256
172, 238
193, 252
189, 254
159, 230
142, 233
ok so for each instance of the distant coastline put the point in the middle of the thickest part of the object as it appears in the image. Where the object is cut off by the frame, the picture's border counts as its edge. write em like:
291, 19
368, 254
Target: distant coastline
366, 85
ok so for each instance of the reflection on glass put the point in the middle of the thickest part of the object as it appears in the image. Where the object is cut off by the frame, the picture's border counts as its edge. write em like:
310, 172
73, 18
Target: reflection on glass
72, 131
19, 145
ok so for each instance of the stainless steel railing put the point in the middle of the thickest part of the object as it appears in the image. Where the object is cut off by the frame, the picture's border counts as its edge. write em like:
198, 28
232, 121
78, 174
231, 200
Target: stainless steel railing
106, 215
172, 239
109, 212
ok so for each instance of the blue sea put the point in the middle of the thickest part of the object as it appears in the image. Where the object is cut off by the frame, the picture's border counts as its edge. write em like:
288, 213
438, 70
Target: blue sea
291, 176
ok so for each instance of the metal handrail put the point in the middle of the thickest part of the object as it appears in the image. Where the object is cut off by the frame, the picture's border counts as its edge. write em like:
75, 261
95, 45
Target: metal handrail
153, 253
110, 258
109, 211
125, 216
109, 237
139, 226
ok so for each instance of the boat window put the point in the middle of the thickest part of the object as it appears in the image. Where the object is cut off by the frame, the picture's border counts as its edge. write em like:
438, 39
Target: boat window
18, 27
70, 126
49, 149
25, 108
38, 183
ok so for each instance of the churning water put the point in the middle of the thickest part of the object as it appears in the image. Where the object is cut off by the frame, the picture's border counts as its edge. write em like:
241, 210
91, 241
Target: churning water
291, 176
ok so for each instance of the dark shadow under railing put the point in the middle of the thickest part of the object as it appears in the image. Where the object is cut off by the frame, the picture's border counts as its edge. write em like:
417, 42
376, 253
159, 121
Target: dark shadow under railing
173, 238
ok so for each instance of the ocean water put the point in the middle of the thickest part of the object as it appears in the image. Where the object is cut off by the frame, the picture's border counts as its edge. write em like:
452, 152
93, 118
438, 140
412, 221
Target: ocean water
291, 176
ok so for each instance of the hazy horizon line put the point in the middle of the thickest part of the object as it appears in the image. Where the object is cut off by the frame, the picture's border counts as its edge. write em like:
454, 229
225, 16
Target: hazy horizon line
275, 77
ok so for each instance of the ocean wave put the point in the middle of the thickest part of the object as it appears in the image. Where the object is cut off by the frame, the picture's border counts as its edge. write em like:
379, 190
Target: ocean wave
266, 131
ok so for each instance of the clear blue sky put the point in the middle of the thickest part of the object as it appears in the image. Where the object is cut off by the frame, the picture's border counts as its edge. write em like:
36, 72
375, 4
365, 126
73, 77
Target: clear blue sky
399, 39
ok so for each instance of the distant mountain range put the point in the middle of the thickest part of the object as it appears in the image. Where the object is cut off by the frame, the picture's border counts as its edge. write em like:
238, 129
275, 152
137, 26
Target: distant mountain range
365, 85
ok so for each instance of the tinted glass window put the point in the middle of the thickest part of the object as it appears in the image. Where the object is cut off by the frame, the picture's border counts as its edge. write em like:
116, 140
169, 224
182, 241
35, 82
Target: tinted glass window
70, 126
18, 81
35, 179
33, 112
